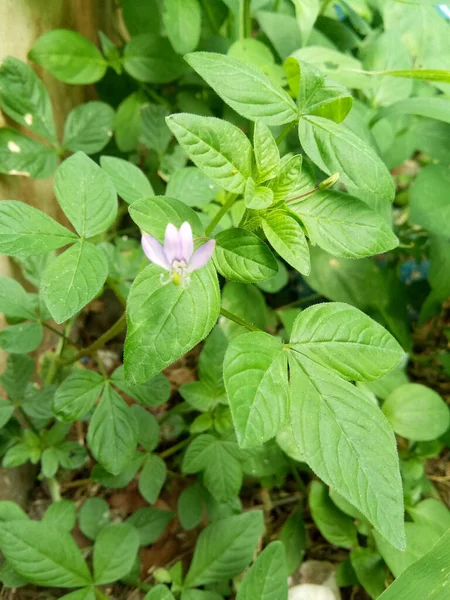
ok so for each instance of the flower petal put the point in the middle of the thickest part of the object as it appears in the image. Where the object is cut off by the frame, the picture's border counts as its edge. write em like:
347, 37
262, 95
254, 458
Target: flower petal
201, 256
186, 241
154, 251
172, 246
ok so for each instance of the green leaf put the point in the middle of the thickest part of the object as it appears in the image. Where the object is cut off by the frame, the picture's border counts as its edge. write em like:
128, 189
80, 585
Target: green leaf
267, 155
255, 373
61, 514
25, 231
245, 301
293, 538
128, 123
257, 198
439, 75
21, 155
155, 213
100, 475
115, 551
150, 523
430, 107
336, 527
88, 128
218, 148
288, 178
192, 187
6, 411
15, 379
186, 316
190, 507
86, 195
148, 436
343, 68
344, 225
15, 301
129, 181
182, 20
83, 594
77, 395
348, 442
151, 59
23, 338
426, 578
49, 462
93, 517
336, 149
306, 12
154, 133
159, 592
222, 470
429, 203
43, 554
417, 412
152, 478
370, 570
154, 392
282, 31
10, 511
113, 432
431, 513
225, 548
73, 279
240, 255
342, 338
286, 236
245, 88
316, 93
69, 57
24, 98
267, 579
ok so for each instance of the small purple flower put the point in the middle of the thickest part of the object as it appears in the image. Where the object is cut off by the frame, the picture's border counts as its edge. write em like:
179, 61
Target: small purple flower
177, 256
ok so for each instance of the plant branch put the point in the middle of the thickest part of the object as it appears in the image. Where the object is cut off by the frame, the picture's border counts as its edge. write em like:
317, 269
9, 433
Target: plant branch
174, 449
238, 320
114, 330
284, 133
59, 333
115, 288
220, 213
245, 20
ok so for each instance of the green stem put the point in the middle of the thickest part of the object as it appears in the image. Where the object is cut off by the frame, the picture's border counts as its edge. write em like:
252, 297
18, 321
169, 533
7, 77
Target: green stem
59, 333
174, 449
245, 20
25, 420
220, 213
102, 340
238, 320
53, 368
284, 133
55, 489
100, 595
295, 198
115, 288
155, 96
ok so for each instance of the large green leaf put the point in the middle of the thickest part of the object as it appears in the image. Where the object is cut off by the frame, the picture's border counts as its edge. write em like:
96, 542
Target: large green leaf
336, 527
306, 12
335, 149
245, 301
434, 107
115, 552
240, 255
370, 570
246, 89
152, 59
154, 392
267, 155
69, 57
73, 280
23, 97
267, 579
15, 301
130, 182
182, 20
287, 180
152, 478
348, 442
185, 317
21, 155
128, 122
429, 202
225, 548
417, 412
113, 432
255, 373
86, 195
88, 127
22, 338
77, 394
150, 523
427, 578
18, 373
217, 147
287, 238
344, 339
155, 213
344, 225
43, 554
93, 516
191, 186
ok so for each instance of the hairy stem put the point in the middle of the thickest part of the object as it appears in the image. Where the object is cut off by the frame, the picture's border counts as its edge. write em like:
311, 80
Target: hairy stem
245, 20
102, 340
55, 489
225, 313
59, 333
284, 133
220, 213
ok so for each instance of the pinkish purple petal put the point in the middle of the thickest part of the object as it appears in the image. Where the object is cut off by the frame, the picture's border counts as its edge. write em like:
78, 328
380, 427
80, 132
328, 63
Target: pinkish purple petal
154, 251
172, 246
201, 256
186, 241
